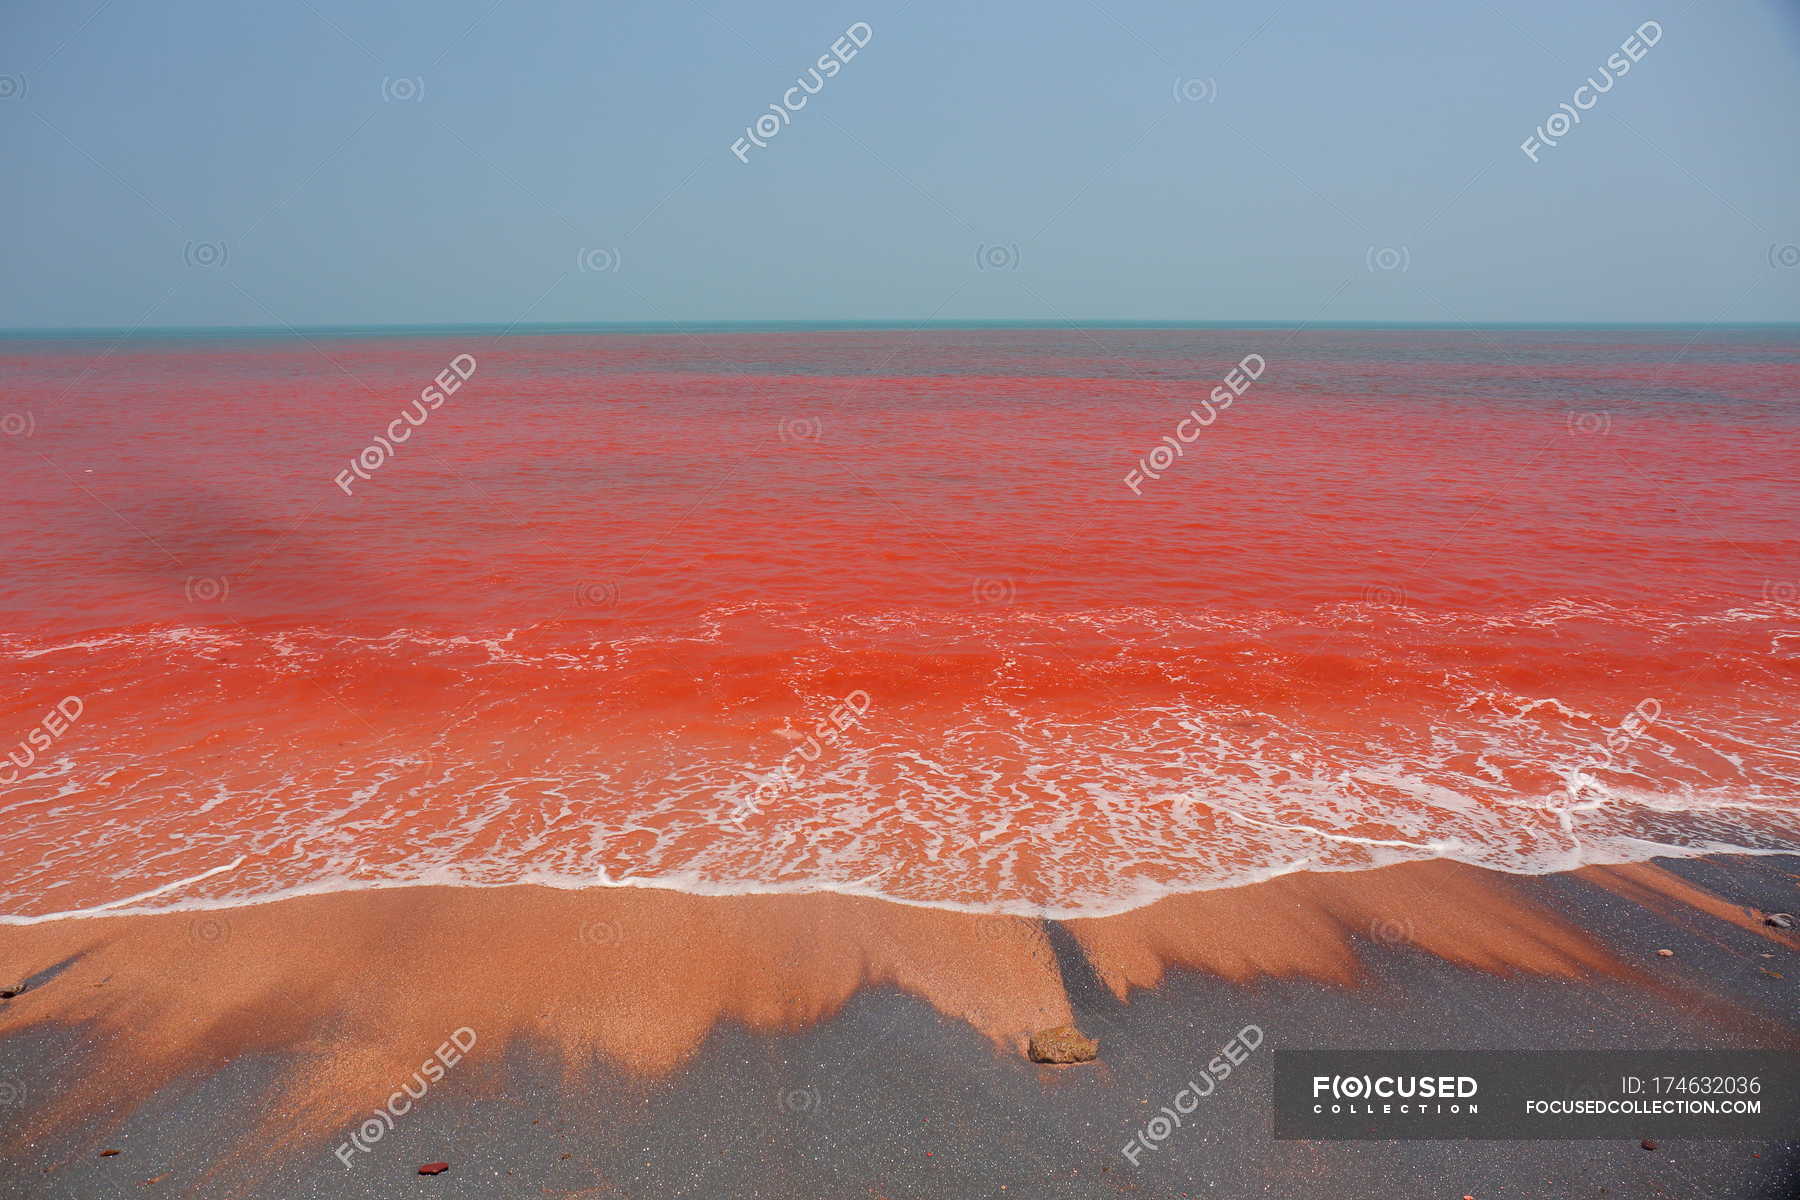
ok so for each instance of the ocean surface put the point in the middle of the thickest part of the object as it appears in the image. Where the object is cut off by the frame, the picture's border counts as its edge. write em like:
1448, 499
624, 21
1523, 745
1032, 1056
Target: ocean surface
920, 614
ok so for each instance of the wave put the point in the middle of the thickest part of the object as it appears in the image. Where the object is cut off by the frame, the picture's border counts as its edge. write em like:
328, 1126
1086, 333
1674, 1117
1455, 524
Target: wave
1063, 764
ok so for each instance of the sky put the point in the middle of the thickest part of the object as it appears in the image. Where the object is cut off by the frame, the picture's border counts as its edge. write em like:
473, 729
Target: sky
332, 162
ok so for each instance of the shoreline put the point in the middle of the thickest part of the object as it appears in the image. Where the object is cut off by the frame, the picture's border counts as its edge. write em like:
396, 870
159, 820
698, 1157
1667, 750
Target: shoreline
682, 885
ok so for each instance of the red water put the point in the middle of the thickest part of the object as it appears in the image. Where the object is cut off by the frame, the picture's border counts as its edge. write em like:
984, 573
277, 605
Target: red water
1401, 599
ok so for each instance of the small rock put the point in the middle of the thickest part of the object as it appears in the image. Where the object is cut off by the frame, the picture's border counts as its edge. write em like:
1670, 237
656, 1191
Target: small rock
7, 993
434, 1168
1665, 954
1647, 1144
1780, 920
1063, 1044
108, 1153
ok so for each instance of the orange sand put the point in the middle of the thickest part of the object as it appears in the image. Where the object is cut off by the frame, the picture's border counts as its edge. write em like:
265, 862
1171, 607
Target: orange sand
355, 989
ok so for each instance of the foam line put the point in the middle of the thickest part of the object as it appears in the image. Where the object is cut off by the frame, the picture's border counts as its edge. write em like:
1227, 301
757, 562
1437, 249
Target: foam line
97, 909
1348, 839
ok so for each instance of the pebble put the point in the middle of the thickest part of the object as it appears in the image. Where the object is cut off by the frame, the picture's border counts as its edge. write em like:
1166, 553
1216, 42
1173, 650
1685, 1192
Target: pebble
434, 1168
1665, 954
1063, 1044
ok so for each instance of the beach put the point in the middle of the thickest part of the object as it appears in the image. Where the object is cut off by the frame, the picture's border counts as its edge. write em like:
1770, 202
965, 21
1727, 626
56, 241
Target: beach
638, 1041
666, 764
934, 602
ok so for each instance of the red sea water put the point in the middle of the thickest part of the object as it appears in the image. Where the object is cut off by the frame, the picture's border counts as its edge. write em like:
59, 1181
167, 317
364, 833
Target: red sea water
876, 611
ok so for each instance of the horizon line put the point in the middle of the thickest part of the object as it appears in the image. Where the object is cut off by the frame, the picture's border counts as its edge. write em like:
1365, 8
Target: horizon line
853, 325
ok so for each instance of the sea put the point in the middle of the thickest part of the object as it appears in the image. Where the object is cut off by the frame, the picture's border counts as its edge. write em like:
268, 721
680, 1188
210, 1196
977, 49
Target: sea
1040, 620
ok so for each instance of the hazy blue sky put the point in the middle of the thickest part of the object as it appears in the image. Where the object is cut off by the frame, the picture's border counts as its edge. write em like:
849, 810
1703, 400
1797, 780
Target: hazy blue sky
139, 137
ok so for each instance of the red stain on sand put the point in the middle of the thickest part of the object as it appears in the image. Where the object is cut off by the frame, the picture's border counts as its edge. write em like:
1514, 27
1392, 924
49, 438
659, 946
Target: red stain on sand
348, 987
1671, 896
1304, 925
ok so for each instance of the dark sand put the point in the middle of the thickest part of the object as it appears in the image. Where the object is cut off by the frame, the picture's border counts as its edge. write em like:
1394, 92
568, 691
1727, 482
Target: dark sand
635, 1043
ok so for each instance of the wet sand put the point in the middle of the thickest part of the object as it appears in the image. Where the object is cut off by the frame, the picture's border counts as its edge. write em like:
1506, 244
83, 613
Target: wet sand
636, 1042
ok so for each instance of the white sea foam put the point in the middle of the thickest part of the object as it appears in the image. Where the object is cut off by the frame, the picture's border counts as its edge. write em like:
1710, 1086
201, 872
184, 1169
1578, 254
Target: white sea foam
692, 883
1008, 804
